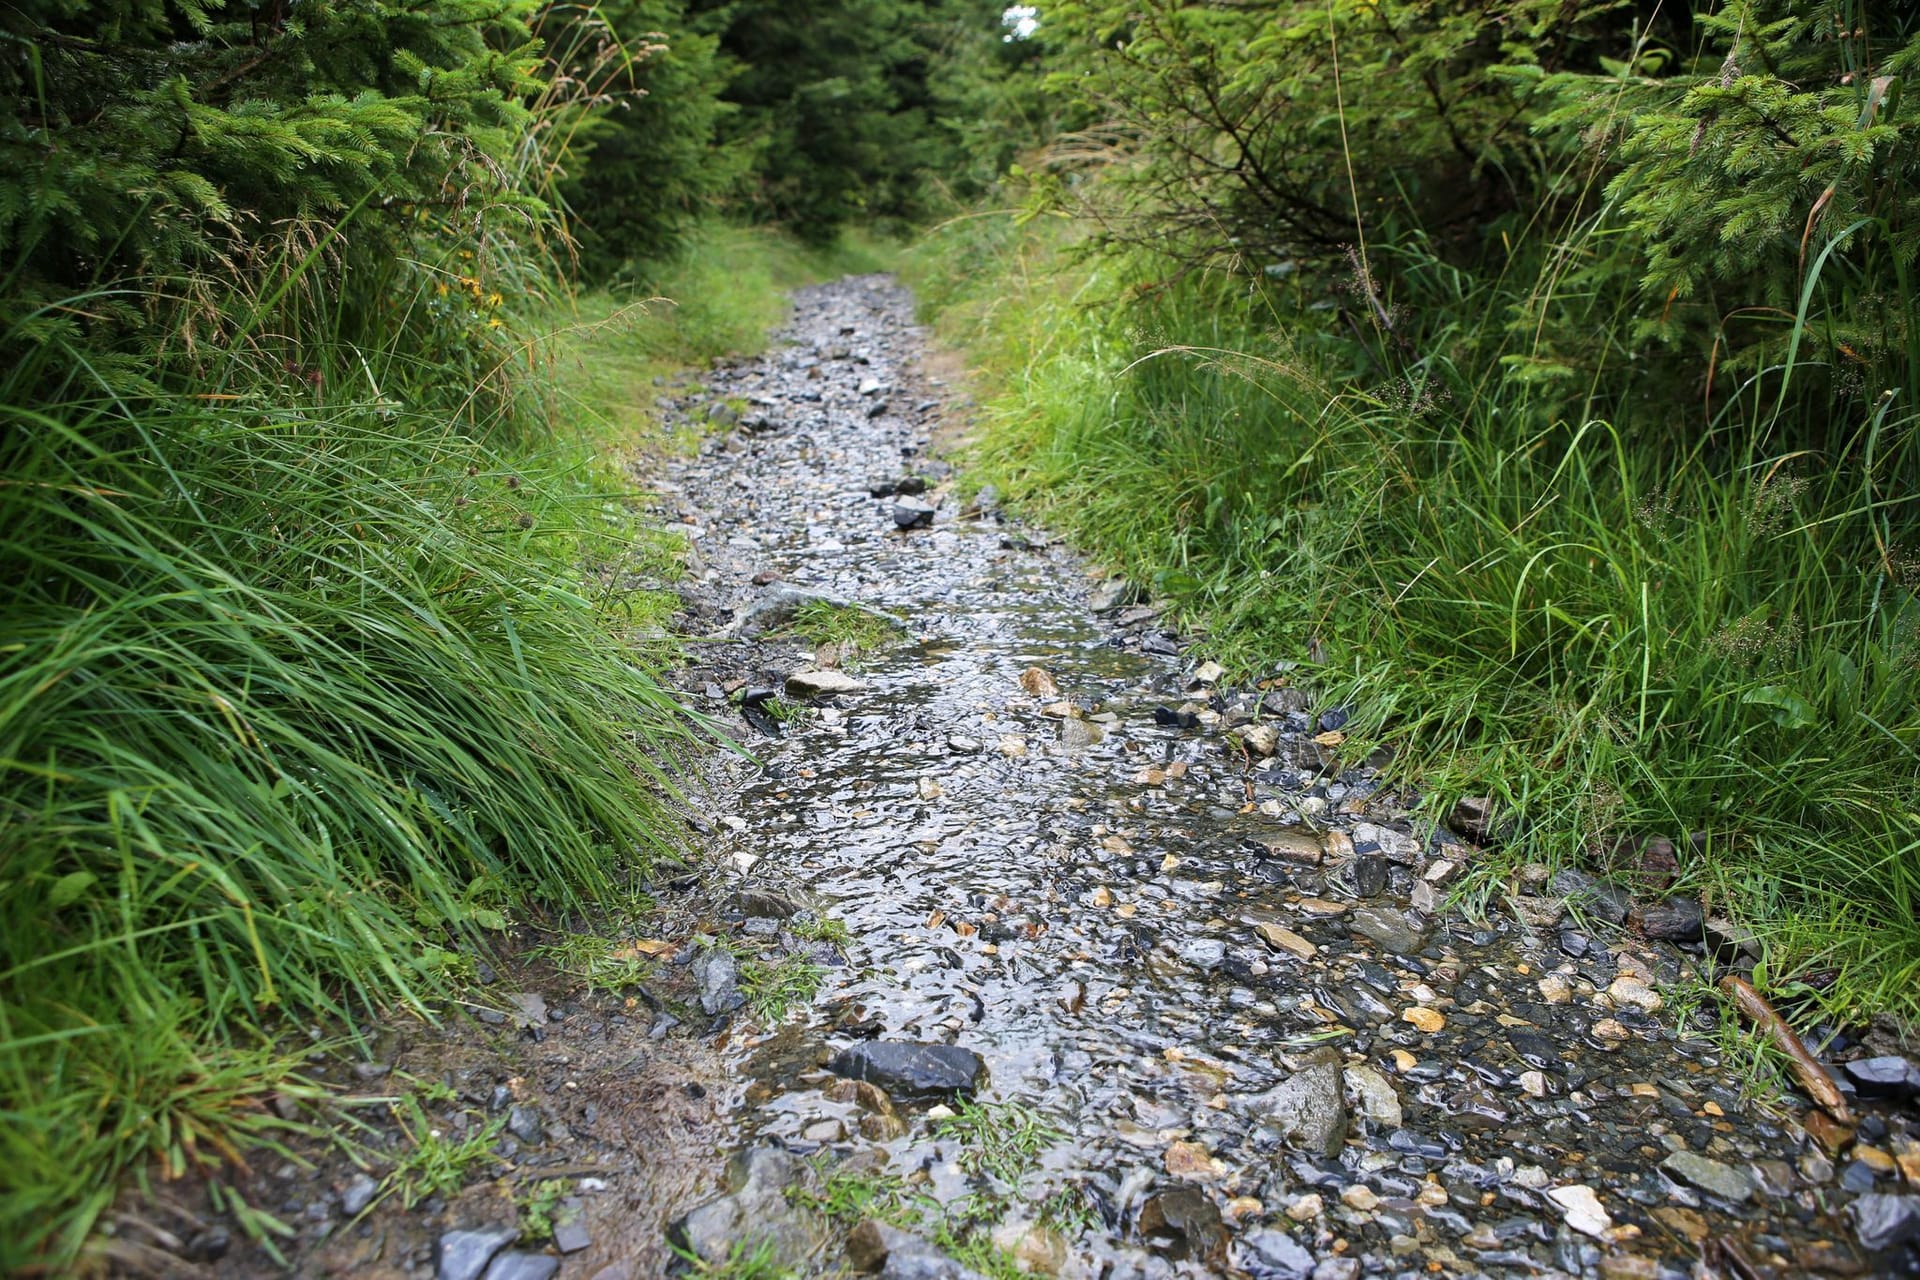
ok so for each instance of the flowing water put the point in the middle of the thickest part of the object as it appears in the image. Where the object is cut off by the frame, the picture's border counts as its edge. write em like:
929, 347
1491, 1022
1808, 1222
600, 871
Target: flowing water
1078, 892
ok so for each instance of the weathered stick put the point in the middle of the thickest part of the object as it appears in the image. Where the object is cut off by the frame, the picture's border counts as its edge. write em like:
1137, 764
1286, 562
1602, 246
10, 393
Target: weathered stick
1812, 1075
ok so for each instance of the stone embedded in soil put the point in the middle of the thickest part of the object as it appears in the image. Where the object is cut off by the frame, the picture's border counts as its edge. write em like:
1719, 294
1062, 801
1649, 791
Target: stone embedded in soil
927, 1264
910, 1070
463, 1255
1309, 1107
755, 1214
523, 1266
868, 1244
718, 974
358, 1195
570, 1233
1598, 899
523, 1122
1884, 1221
819, 684
1472, 817
1538, 913
1711, 1176
1675, 920
1394, 931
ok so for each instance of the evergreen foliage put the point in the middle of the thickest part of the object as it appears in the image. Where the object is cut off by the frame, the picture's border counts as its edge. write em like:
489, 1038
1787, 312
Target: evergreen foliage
645, 171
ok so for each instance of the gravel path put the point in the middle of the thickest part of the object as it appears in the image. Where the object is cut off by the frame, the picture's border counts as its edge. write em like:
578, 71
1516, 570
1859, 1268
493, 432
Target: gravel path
1173, 919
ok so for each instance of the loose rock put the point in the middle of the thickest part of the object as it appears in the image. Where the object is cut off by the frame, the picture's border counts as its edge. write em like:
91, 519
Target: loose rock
912, 1070
1710, 1176
1309, 1108
463, 1255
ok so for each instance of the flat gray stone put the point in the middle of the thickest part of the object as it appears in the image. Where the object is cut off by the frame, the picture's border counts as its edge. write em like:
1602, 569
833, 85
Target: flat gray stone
1395, 931
1883, 1221
818, 684
463, 1255
1711, 1176
523, 1266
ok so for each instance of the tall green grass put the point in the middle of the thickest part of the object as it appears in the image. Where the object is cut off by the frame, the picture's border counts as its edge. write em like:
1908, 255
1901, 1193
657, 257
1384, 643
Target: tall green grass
1615, 633
312, 682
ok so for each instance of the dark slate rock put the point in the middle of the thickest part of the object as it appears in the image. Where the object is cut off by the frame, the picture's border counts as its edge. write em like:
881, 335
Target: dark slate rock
911, 1070
1723, 1180
523, 1266
912, 513
1394, 931
1885, 1077
463, 1255
1883, 1221
1675, 920
1369, 875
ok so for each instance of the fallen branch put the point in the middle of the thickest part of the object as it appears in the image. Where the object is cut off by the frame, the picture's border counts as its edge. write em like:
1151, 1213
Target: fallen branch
1808, 1069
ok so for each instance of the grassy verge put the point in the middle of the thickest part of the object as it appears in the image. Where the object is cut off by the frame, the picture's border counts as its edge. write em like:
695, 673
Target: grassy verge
306, 692
1614, 635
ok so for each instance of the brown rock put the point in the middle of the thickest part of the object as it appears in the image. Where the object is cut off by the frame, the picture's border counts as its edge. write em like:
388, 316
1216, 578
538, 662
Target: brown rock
1039, 683
1293, 846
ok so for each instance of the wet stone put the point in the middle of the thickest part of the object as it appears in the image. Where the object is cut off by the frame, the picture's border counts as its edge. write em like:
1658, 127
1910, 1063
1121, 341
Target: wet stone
1711, 1176
820, 684
1308, 1108
911, 1070
912, 513
1885, 1221
1268, 1254
1183, 1223
1675, 920
1884, 1077
1394, 931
